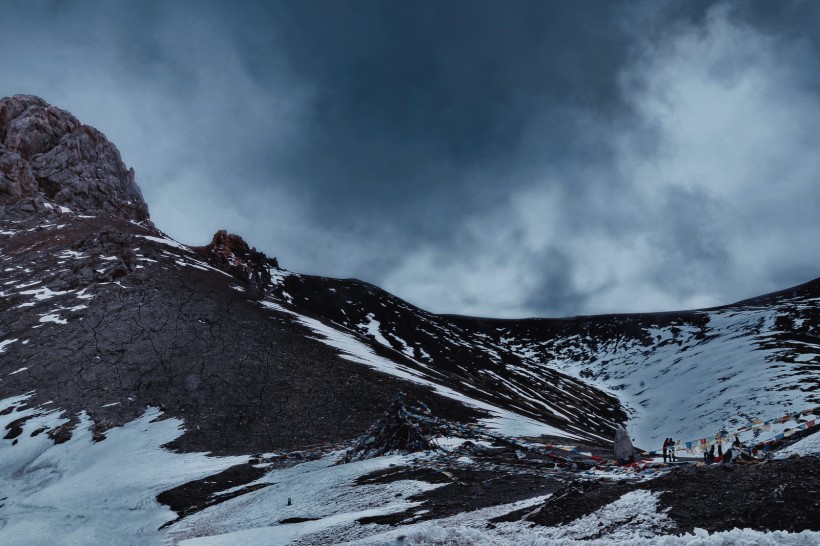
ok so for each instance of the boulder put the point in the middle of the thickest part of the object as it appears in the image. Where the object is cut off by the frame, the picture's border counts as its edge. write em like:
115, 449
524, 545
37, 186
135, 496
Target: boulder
624, 451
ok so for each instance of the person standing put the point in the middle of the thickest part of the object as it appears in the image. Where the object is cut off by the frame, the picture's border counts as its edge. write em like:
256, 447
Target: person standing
665, 448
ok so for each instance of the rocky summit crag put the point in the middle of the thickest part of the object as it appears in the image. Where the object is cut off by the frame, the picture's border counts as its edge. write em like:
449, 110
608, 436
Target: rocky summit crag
47, 157
116, 340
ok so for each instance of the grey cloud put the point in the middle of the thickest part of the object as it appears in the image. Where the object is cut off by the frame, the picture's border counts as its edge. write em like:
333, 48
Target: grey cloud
531, 158
414, 98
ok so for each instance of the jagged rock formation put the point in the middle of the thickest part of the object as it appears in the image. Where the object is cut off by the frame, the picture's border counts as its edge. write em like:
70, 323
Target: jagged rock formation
230, 253
48, 158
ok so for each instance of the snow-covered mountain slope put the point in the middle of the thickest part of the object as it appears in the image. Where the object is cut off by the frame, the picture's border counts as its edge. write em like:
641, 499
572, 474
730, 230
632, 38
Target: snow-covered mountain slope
85, 490
109, 316
102, 315
125, 356
443, 352
686, 375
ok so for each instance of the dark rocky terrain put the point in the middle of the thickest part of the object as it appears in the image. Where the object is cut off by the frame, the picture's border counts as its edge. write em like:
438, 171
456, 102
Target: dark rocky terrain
175, 337
778, 494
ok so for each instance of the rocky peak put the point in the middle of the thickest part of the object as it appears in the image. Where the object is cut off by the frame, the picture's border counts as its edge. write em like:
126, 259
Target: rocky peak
230, 253
48, 160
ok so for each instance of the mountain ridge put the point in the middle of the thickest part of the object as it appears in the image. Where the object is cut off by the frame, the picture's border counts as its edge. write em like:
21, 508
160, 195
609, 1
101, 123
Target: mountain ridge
153, 392
106, 264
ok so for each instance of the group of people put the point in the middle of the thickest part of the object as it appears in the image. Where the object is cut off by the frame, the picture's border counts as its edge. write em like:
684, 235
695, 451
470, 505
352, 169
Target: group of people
735, 452
625, 452
669, 450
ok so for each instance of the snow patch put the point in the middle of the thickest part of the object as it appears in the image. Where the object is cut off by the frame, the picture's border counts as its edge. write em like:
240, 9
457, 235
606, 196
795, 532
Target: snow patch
166, 241
373, 328
324, 493
804, 447
6, 343
53, 318
82, 492
278, 276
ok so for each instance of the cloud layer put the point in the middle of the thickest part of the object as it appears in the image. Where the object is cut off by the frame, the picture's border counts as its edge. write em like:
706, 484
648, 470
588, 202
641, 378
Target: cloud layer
530, 159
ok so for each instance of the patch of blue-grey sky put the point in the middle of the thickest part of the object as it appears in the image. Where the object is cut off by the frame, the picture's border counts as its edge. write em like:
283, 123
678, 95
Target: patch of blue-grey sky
475, 158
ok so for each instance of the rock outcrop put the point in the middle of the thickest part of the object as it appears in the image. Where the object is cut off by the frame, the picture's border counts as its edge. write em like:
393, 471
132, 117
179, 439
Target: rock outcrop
48, 159
230, 253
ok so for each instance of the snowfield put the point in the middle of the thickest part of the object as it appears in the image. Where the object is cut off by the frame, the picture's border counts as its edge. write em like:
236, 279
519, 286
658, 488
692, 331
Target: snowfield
690, 383
82, 492
804, 447
86, 492
441, 536
105, 316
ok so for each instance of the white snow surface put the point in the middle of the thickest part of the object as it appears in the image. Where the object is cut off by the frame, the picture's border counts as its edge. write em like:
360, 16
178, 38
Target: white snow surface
327, 495
438, 536
81, 492
804, 447
278, 276
5, 343
372, 328
53, 318
632, 517
686, 385
166, 241
42, 293
318, 490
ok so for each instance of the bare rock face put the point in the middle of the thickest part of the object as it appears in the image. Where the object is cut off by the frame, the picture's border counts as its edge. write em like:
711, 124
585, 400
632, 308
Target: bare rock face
48, 157
230, 253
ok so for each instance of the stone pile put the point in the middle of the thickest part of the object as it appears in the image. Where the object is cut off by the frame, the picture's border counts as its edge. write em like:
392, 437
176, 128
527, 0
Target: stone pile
397, 431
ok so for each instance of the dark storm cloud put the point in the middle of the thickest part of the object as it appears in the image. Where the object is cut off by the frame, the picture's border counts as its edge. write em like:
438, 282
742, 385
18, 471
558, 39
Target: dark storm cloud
473, 157
415, 101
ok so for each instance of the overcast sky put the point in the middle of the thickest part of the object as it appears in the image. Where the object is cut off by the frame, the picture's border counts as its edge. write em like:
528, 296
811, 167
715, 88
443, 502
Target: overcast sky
488, 158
